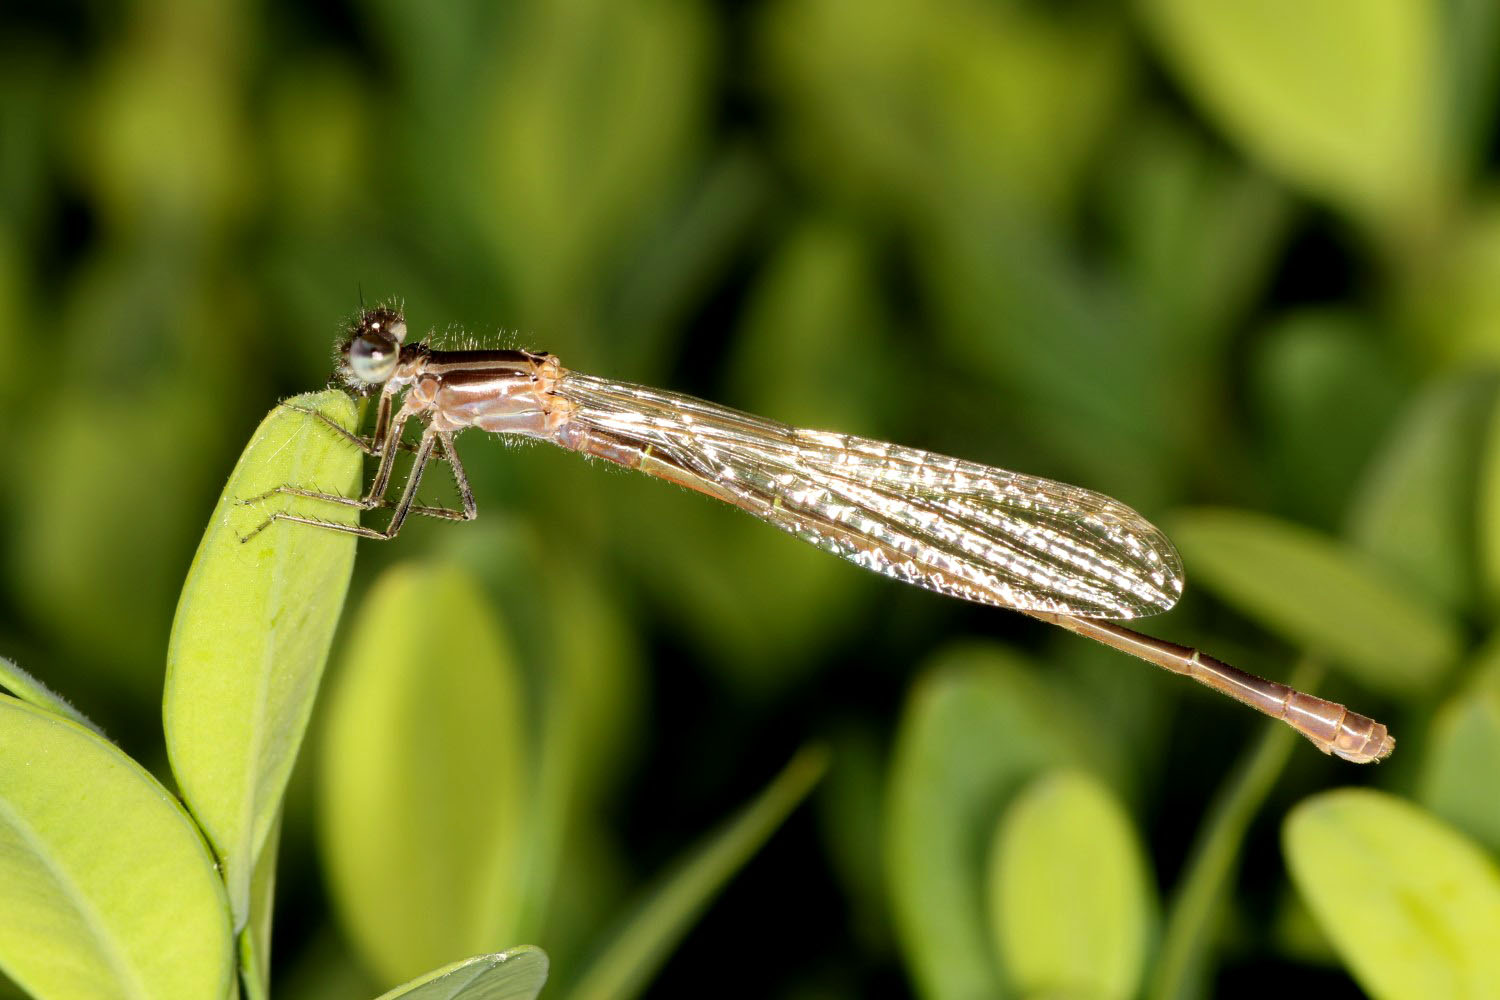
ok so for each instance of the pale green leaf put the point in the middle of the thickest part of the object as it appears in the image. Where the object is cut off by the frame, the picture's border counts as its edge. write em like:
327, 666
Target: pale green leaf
423, 784
1320, 594
976, 725
1339, 96
1414, 511
1412, 906
252, 632
1461, 775
29, 689
633, 956
518, 974
106, 888
1069, 891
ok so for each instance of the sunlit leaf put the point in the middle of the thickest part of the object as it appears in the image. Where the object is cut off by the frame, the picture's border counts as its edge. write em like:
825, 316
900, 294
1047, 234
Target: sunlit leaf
1318, 593
423, 786
977, 724
1412, 906
1069, 891
627, 963
252, 632
518, 974
106, 888
1337, 96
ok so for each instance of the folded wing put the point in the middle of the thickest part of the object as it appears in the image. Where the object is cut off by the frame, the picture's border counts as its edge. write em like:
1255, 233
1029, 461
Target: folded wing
955, 527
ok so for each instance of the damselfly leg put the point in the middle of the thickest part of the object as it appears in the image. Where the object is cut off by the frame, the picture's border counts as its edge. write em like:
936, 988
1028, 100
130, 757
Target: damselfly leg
375, 498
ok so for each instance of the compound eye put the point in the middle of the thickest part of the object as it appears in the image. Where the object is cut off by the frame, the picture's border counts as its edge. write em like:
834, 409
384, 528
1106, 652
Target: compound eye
373, 359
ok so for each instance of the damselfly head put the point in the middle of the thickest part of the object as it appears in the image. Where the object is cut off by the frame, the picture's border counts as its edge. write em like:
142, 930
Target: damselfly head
369, 357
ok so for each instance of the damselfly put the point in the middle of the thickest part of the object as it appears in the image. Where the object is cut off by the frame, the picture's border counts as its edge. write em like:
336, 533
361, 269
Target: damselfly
1059, 553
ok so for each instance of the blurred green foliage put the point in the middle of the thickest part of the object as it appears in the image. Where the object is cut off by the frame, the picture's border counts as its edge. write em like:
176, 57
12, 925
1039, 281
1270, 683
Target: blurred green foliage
1236, 267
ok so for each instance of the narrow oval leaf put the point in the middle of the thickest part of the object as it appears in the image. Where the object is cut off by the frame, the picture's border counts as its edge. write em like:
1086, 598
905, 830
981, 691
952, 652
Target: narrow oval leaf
1068, 891
976, 725
1337, 96
1069, 894
106, 888
1461, 777
628, 962
423, 789
1325, 391
518, 974
1414, 511
1318, 593
252, 632
1412, 906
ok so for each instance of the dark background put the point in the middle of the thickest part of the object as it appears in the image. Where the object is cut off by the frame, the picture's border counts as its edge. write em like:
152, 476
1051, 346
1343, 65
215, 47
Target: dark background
1181, 260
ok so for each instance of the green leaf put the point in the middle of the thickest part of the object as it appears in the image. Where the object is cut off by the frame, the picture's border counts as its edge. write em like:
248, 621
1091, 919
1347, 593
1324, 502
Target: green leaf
1002, 101
1325, 390
423, 786
976, 726
255, 937
32, 691
628, 962
1069, 891
1199, 233
1337, 96
1454, 300
1487, 515
1414, 511
1318, 593
252, 632
1412, 906
106, 887
518, 974
1461, 775
579, 652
